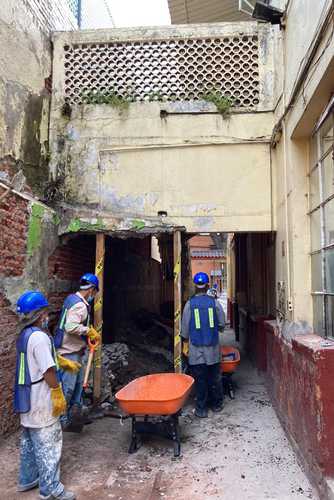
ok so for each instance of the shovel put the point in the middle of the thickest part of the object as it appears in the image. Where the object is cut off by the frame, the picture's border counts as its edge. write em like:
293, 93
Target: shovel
92, 346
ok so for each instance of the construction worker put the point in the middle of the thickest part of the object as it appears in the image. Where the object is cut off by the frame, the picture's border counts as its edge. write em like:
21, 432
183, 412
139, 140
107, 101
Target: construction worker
39, 399
71, 341
202, 318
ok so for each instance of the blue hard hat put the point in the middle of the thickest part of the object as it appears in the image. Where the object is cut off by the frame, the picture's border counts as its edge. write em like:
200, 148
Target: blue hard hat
31, 301
88, 280
201, 279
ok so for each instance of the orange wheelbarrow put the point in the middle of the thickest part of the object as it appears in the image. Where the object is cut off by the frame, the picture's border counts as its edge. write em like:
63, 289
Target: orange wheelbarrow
230, 359
154, 403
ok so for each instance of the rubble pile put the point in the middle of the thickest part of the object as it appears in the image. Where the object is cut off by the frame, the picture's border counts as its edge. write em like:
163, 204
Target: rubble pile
144, 345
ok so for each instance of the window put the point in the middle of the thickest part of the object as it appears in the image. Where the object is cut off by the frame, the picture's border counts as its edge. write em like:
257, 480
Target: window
321, 211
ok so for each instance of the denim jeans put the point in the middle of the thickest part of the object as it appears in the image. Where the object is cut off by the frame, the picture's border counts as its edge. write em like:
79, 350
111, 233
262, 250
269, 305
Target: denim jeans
72, 387
208, 385
40, 453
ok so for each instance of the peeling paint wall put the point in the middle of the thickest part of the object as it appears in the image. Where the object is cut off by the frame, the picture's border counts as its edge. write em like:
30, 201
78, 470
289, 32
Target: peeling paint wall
28, 236
184, 159
206, 172
25, 63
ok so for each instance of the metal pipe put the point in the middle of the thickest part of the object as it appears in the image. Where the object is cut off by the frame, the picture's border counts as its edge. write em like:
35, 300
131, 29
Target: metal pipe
285, 173
322, 235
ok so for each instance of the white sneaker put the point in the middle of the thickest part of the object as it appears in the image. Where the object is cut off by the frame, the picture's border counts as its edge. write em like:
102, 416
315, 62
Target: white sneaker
65, 495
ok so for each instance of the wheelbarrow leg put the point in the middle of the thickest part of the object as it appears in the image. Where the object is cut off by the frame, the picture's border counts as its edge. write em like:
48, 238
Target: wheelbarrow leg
176, 435
134, 439
231, 388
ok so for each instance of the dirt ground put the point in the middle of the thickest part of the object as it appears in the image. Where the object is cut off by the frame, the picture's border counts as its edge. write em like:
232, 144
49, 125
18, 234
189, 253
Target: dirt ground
241, 453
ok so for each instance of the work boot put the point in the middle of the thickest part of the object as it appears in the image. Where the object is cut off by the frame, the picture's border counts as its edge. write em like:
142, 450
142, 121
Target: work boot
201, 412
76, 420
217, 409
70, 427
65, 495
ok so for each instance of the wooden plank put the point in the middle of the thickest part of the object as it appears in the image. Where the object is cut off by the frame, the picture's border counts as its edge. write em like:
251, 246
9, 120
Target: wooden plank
177, 301
98, 313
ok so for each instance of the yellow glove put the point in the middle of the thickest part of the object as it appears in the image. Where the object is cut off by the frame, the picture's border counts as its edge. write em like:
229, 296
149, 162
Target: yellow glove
185, 348
58, 401
93, 335
68, 365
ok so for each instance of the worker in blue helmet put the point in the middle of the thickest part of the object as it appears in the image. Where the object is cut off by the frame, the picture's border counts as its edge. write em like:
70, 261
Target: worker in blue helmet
39, 399
202, 319
71, 336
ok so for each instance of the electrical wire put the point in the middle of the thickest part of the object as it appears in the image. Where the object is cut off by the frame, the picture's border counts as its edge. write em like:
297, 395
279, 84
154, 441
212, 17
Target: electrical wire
310, 48
107, 6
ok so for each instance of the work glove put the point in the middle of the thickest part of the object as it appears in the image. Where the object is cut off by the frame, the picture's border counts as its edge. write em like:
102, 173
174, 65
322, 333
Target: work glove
93, 335
185, 348
58, 401
68, 365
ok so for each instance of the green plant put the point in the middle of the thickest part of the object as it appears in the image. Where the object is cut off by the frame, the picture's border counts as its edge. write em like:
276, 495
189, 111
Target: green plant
156, 96
107, 97
222, 102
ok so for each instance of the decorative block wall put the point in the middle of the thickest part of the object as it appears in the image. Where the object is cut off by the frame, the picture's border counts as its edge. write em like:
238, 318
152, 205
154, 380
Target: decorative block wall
173, 69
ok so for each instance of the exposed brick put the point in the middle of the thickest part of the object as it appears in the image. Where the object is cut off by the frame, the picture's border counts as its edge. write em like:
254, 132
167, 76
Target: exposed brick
14, 218
69, 262
8, 420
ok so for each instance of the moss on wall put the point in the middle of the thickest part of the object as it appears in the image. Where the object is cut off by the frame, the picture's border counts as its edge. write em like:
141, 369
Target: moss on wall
76, 225
35, 165
138, 224
35, 228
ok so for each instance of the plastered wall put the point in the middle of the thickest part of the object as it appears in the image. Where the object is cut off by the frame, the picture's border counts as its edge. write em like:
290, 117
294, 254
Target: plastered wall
206, 172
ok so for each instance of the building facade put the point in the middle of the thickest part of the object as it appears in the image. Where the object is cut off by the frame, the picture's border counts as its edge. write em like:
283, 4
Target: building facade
207, 257
215, 127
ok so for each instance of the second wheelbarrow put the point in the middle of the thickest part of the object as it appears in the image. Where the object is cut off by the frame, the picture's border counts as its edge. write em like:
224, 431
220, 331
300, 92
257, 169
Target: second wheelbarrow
154, 403
229, 363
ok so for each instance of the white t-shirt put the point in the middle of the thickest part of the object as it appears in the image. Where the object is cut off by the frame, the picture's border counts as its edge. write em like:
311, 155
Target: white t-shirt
40, 359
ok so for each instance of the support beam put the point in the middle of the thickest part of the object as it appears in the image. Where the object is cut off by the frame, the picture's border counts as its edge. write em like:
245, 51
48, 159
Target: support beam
98, 313
177, 302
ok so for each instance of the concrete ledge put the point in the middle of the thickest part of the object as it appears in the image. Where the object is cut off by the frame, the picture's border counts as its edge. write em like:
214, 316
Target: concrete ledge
300, 381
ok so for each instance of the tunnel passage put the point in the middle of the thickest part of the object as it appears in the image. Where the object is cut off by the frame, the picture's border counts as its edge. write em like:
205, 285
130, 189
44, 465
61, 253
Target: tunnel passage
135, 281
138, 302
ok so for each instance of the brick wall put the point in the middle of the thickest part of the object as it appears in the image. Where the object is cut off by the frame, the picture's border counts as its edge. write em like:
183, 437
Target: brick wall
14, 217
8, 421
66, 265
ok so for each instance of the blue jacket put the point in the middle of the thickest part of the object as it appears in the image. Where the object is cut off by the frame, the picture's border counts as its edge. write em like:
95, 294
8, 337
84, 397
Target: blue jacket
69, 302
22, 389
203, 328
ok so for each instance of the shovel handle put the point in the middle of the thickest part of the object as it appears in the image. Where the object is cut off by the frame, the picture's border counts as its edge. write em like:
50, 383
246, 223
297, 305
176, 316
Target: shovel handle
88, 367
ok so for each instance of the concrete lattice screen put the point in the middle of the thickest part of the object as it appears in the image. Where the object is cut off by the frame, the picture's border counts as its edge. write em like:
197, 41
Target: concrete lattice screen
170, 69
